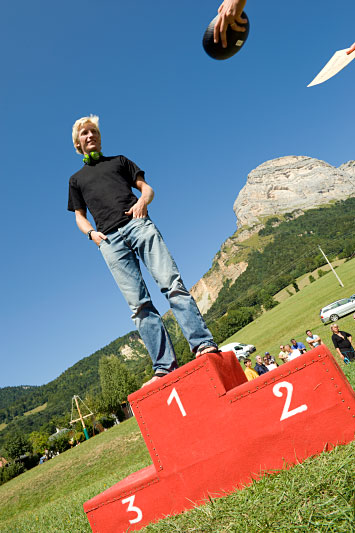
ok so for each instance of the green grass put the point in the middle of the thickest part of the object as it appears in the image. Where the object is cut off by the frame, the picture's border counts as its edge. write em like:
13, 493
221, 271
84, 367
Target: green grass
317, 495
303, 280
299, 312
255, 242
49, 497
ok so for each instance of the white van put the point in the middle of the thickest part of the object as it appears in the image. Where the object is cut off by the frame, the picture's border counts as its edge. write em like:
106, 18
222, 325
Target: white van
241, 350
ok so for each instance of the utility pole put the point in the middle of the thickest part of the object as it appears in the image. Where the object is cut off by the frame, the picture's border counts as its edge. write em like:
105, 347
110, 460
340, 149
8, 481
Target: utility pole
335, 274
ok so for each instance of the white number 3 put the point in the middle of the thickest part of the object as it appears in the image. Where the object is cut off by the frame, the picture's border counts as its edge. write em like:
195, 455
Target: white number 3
289, 387
134, 509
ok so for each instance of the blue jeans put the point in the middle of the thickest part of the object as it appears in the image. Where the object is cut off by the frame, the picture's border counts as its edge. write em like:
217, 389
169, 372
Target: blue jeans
140, 239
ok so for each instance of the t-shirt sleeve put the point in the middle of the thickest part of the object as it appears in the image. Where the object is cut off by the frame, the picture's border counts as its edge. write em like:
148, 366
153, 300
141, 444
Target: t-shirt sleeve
133, 171
75, 200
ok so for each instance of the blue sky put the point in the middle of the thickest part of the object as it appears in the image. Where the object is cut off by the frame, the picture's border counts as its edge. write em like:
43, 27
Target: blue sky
195, 125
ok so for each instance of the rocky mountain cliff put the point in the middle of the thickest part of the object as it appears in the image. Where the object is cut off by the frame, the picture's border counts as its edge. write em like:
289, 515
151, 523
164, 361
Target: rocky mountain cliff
290, 184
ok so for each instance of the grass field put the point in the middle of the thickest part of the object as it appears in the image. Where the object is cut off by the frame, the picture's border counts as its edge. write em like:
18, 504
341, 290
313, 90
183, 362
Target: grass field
50, 496
303, 280
299, 312
317, 495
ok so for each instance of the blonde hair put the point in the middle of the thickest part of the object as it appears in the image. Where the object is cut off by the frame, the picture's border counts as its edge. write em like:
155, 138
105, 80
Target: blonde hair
78, 124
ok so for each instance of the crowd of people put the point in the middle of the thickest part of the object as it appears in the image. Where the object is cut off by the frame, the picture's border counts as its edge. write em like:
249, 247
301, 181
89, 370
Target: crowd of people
342, 343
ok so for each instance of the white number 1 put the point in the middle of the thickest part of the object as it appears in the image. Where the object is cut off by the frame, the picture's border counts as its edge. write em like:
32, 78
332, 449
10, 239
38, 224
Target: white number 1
289, 387
134, 509
174, 395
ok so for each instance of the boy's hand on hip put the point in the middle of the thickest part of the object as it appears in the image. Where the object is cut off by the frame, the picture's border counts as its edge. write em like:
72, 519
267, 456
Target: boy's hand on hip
138, 210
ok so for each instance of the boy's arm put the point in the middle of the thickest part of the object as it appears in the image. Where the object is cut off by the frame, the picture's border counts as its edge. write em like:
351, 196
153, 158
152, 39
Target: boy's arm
139, 209
84, 225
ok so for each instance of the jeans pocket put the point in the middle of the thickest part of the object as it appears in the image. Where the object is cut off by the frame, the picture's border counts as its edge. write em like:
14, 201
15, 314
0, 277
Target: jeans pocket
103, 240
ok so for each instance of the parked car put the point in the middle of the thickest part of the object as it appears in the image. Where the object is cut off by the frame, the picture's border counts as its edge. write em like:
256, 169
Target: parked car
333, 311
241, 350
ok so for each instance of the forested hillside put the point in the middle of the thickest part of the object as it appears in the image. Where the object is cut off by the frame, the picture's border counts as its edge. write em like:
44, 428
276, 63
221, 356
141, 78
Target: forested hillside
81, 379
15, 401
292, 251
287, 248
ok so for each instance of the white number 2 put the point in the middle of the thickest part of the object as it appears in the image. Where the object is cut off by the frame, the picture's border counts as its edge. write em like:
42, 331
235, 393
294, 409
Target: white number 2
289, 387
134, 509
174, 395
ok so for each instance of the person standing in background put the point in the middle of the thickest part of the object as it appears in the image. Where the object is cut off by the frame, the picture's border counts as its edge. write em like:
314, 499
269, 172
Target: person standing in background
343, 344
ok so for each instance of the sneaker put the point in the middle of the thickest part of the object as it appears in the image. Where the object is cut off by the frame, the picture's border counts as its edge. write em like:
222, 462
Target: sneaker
346, 361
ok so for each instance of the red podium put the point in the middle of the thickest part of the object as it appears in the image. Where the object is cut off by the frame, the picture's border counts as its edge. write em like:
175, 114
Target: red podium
209, 431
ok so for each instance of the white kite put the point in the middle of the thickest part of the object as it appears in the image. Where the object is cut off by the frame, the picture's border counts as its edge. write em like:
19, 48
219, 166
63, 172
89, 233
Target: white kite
339, 60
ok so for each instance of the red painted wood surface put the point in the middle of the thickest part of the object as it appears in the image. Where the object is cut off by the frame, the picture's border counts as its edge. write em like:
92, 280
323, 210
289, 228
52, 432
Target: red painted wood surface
209, 431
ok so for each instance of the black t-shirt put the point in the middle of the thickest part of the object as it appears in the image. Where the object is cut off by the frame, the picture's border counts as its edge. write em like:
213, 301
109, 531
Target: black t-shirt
342, 344
105, 188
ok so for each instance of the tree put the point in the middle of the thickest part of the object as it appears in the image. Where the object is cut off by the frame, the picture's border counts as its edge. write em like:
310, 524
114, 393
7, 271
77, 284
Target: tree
269, 302
10, 471
183, 352
60, 442
17, 445
267, 299
116, 383
39, 441
230, 323
295, 286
